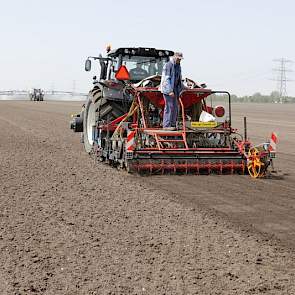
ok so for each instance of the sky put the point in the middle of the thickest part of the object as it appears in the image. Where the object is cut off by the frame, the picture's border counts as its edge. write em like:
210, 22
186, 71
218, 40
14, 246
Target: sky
228, 44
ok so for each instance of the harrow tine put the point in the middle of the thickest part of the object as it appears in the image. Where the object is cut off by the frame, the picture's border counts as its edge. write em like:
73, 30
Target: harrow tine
186, 166
151, 167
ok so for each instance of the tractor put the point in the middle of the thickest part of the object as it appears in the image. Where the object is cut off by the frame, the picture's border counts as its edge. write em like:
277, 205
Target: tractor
121, 122
36, 94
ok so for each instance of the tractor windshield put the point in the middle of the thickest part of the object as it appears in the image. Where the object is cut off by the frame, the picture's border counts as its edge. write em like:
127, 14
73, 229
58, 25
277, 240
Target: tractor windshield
140, 67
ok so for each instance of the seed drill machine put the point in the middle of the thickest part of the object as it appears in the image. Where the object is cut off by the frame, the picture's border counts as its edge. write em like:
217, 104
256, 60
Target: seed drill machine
121, 122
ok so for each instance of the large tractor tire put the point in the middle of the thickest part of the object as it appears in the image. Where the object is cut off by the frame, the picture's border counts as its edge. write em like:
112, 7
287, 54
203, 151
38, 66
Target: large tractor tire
97, 108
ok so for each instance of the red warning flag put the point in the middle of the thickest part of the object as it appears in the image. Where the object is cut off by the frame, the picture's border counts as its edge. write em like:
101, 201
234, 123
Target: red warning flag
273, 142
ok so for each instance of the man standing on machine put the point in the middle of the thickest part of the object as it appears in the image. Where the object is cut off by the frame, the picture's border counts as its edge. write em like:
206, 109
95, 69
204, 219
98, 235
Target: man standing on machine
171, 86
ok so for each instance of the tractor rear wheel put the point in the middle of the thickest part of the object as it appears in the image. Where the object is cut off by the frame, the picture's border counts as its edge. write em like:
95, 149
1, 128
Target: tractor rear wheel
97, 109
89, 123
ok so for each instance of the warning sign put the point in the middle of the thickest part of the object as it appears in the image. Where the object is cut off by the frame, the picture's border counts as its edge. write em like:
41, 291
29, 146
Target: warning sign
203, 124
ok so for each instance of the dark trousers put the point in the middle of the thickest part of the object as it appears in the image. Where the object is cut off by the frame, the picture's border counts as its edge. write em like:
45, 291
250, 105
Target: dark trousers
170, 111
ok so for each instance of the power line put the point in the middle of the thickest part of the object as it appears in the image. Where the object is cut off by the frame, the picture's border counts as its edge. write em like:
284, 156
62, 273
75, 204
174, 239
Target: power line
282, 78
52, 87
74, 87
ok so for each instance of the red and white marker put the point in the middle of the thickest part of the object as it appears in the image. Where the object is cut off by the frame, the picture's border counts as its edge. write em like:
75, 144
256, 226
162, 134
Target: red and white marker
130, 143
273, 142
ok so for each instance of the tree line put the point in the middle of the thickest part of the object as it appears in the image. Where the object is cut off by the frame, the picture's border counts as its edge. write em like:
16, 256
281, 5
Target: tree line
257, 97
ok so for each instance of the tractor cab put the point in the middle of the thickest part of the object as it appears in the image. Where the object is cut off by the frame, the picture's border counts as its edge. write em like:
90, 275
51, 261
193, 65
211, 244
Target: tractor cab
139, 62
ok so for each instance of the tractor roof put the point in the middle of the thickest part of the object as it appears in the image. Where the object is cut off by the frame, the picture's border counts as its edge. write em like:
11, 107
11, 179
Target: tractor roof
140, 51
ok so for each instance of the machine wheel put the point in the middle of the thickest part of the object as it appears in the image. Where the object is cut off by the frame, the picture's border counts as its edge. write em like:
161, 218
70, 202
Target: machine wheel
89, 122
107, 110
97, 109
255, 165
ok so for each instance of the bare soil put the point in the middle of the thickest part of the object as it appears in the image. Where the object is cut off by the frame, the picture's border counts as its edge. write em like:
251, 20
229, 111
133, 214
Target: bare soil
72, 226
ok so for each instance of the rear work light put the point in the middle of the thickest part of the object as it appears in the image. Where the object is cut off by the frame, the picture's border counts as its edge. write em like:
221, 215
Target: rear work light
219, 111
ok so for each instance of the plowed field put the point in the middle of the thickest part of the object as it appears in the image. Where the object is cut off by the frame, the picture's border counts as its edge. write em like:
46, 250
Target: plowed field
71, 226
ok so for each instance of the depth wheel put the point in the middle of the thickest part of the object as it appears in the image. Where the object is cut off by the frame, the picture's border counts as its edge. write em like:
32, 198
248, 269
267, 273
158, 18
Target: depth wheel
254, 165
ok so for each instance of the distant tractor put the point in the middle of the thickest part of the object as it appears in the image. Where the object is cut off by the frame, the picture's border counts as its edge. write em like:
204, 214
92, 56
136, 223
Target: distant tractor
121, 122
36, 94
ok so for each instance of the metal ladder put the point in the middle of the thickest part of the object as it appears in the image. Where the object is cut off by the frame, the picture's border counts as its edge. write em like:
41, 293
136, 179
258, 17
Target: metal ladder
170, 139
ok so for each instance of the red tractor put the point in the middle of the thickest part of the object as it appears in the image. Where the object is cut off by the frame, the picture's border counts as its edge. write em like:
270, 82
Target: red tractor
121, 122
